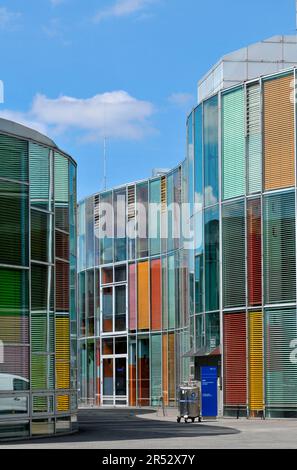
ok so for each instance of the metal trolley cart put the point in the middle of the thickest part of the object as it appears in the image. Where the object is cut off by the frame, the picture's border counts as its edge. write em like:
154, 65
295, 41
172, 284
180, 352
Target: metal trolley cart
189, 403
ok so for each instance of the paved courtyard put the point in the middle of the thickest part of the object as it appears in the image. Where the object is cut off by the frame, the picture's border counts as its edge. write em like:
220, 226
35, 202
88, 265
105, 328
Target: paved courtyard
144, 429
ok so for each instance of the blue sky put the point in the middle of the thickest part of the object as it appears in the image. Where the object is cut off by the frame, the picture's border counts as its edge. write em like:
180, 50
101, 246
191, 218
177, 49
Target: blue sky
79, 69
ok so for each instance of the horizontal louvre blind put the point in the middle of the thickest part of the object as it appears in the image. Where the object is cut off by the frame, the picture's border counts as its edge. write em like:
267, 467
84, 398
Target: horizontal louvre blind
279, 133
16, 361
13, 224
156, 369
132, 297
63, 403
279, 248
143, 296
61, 192
254, 139
62, 353
131, 202
234, 255
171, 366
156, 298
14, 328
61, 179
233, 145
281, 368
39, 236
39, 175
41, 288
39, 371
14, 289
256, 361
254, 241
39, 332
163, 194
165, 368
62, 245
13, 158
62, 286
235, 390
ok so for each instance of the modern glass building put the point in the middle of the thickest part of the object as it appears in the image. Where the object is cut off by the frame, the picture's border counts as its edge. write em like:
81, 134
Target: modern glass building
38, 265
154, 309
134, 293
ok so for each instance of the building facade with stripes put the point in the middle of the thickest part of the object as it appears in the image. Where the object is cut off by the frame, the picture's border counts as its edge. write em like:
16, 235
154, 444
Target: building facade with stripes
38, 337
211, 280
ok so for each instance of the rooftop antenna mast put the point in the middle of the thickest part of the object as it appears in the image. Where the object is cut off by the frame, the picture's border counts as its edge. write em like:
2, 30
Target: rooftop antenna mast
105, 161
105, 149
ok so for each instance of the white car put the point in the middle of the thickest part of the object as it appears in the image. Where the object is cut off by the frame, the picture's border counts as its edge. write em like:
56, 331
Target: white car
13, 404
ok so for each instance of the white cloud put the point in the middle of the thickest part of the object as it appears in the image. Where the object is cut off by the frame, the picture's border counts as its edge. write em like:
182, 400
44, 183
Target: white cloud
55, 30
56, 2
115, 114
181, 99
123, 8
8, 19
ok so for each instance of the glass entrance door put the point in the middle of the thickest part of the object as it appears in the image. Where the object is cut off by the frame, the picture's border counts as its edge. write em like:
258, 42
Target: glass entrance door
114, 381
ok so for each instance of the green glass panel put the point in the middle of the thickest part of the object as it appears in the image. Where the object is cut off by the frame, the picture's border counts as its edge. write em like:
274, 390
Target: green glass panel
106, 229
82, 262
170, 244
62, 192
155, 217
40, 237
39, 176
39, 369
280, 360
39, 332
120, 241
211, 151
254, 138
72, 208
279, 248
142, 218
41, 288
199, 262
13, 224
234, 255
156, 369
13, 291
190, 139
13, 158
90, 243
212, 259
199, 331
233, 144
212, 330
198, 154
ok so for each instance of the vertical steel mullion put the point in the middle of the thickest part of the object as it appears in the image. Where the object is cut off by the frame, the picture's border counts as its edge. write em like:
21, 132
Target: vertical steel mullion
30, 397
203, 232
246, 250
262, 236
220, 117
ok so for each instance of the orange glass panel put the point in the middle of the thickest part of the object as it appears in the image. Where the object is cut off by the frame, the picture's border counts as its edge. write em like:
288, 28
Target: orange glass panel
156, 300
279, 133
143, 296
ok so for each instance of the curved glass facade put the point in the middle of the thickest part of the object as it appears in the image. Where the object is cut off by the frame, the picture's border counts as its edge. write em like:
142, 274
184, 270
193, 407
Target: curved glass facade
212, 284
38, 337
133, 294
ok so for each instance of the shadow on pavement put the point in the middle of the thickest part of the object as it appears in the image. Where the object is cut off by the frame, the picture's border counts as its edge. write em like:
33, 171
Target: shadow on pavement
104, 425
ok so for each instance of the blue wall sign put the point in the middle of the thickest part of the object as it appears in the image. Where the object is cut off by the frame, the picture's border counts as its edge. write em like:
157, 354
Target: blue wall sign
209, 391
